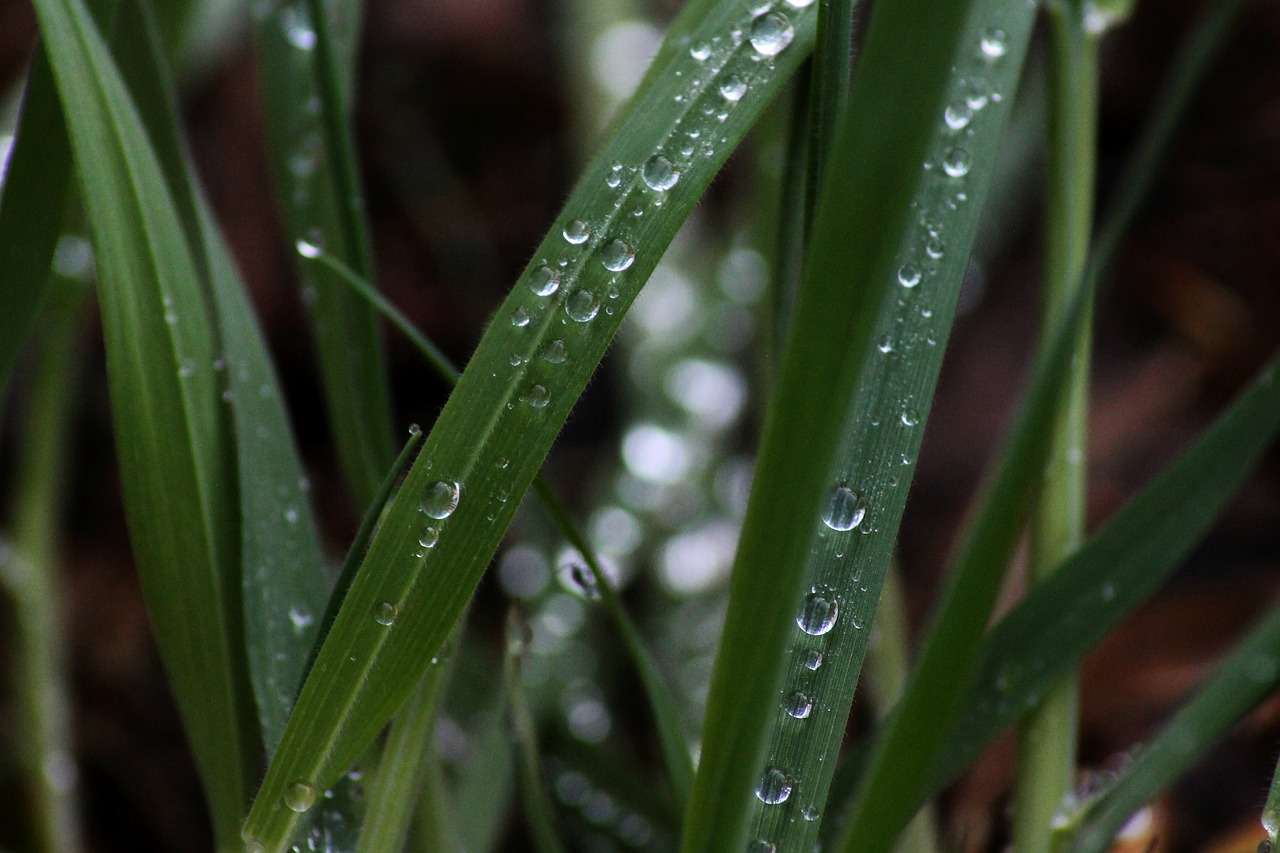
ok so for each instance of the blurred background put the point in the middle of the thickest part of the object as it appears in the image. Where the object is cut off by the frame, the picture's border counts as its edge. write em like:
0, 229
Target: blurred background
473, 117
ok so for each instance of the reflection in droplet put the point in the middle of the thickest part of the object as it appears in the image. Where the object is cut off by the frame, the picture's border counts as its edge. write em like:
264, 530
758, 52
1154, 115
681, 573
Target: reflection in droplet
577, 232
385, 613
544, 281
799, 705
440, 499
659, 174
845, 509
582, 306
617, 256
300, 796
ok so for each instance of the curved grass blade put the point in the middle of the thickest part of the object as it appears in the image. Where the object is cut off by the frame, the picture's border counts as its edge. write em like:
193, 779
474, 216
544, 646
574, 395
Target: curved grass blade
674, 749
171, 436
807, 579
512, 400
1238, 685
306, 77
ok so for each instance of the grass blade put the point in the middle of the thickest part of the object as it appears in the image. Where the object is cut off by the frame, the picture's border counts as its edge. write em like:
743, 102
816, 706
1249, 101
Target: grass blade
500, 421
171, 436
780, 696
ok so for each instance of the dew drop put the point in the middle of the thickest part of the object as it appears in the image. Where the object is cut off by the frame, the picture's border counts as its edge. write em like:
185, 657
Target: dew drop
659, 174
819, 612
957, 162
770, 34
700, 51
617, 256
440, 499
429, 538
544, 281
760, 845
845, 509
555, 352
978, 96
386, 613
774, 787
957, 116
300, 796
910, 417
885, 344
733, 88
994, 43
536, 396
934, 247
582, 305
799, 705
812, 659
307, 249
908, 275
577, 232
298, 29
520, 319
809, 813
799, 4
614, 179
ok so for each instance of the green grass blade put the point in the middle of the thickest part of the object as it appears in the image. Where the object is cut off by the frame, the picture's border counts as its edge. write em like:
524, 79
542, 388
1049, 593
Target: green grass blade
306, 76
854, 390
171, 435
1238, 685
512, 400
1114, 572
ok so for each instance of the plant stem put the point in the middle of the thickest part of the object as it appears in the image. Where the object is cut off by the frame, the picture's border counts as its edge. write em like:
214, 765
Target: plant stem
1046, 764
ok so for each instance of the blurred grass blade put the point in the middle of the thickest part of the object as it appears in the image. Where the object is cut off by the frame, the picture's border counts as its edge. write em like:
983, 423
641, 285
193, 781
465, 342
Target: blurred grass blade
306, 76
171, 435
846, 423
674, 749
1053, 628
512, 400
1238, 685
539, 811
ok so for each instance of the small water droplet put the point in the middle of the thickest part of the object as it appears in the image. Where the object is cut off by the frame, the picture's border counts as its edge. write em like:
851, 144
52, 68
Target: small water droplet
799, 4
733, 88
614, 179
700, 51
770, 34
659, 174
799, 705
536, 396
809, 813
300, 618
298, 29
617, 256
994, 43
555, 352
544, 281
885, 344
307, 249
957, 116
1108, 591
934, 247
910, 417
577, 232
300, 796
818, 613
957, 162
845, 509
430, 536
978, 96
386, 613
520, 318
761, 845
440, 499
774, 787
582, 305
908, 275
812, 659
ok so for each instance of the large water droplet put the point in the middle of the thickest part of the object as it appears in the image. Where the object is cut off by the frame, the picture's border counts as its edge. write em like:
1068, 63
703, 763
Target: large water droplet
957, 116
659, 174
440, 499
908, 275
300, 796
520, 318
957, 162
617, 256
544, 281
386, 613
818, 613
844, 510
555, 352
799, 705
770, 34
700, 51
582, 305
994, 43
774, 787
577, 232
733, 88
537, 396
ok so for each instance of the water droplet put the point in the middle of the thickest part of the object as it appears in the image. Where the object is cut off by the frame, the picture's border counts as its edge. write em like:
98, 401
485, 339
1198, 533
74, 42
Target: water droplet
700, 51
520, 319
957, 162
386, 613
617, 256
291, 515
758, 7
300, 618
307, 249
415, 430
908, 275
812, 659
555, 352
770, 34
440, 499
1108, 591
516, 359
799, 705
844, 510
544, 281
799, 4
582, 305
978, 96
774, 787
809, 813
910, 417
614, 179
577, 232
760, 845
934, 247
733, 88
819, 612
994, 44
659, 174
957, 116
430, 536
885, 344
537, 396
298, 29
300, 796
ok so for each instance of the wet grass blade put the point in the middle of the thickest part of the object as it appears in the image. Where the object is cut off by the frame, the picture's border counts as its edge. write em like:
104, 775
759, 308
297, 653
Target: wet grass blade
306, 76
830, 483
529, 369
171, 435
